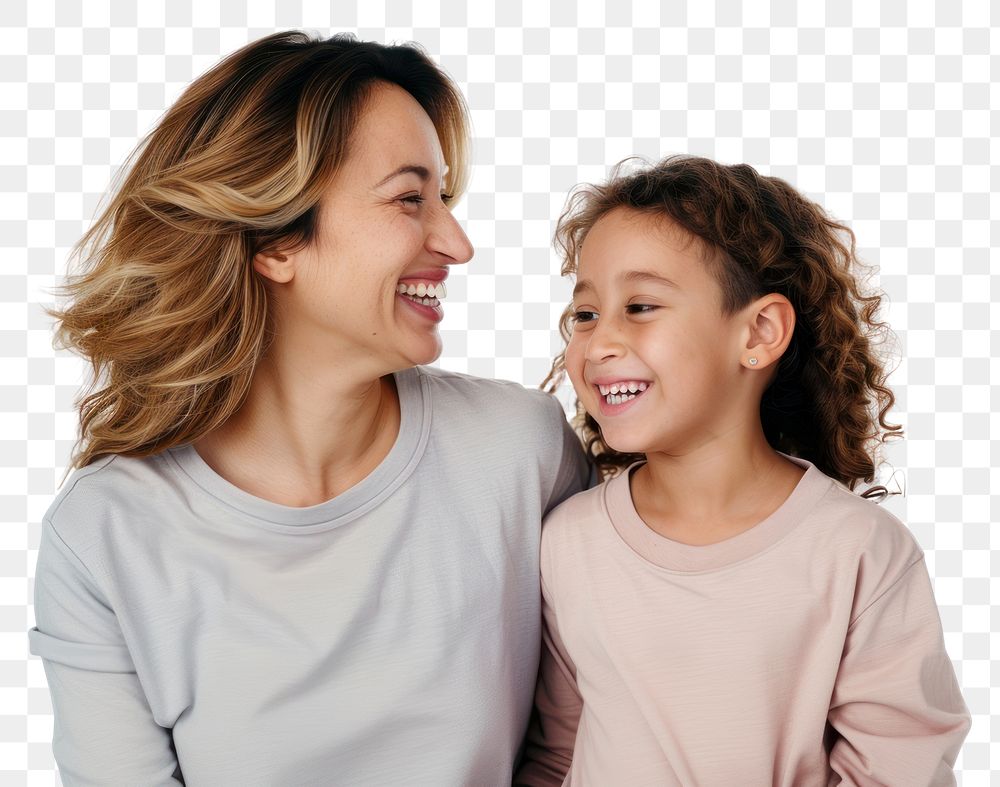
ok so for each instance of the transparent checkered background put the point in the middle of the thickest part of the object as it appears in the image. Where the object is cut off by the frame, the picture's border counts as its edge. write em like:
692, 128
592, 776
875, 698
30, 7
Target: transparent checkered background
882, 111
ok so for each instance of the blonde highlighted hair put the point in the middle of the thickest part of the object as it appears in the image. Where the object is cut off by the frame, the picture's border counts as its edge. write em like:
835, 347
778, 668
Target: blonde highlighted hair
166, 305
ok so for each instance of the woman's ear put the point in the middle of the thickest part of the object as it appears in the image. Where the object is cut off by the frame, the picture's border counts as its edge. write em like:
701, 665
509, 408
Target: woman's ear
771, 322
275, 266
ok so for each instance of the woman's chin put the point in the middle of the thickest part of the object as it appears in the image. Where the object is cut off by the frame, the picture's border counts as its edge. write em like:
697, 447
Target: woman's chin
425, 351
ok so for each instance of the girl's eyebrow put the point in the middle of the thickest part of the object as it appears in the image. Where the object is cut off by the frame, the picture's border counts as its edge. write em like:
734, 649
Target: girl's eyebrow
629, 276
649, 276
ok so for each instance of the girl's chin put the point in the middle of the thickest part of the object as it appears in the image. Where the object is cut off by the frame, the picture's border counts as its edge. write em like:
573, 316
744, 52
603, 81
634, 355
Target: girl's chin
627, 448
624, 443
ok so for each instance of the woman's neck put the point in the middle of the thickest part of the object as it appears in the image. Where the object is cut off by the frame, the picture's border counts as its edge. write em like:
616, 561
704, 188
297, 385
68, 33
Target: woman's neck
715, 491
305, 435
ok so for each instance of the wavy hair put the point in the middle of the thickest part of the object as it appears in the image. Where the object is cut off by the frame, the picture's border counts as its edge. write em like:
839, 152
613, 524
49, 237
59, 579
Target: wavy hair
166, 305
829, 399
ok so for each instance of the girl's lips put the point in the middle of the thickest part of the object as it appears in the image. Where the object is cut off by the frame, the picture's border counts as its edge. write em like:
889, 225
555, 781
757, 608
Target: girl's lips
618, 409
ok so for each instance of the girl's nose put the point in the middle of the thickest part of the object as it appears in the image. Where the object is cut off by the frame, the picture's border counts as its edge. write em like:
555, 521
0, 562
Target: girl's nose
604, 341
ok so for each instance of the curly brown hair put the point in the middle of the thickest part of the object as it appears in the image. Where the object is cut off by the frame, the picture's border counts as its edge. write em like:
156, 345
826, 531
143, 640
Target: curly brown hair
828, 400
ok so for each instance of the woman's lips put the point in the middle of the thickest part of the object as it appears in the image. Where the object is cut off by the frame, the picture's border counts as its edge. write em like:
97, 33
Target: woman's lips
432, 312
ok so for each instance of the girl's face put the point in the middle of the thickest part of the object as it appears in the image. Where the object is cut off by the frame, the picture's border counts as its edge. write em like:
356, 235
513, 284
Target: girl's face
651, 356
382, 227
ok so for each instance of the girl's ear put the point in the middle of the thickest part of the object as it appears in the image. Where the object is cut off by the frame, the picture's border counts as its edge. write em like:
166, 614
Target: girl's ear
275, 266
771, 323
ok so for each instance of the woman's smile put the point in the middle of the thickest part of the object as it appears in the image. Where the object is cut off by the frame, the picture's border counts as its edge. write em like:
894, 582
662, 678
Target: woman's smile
423, 298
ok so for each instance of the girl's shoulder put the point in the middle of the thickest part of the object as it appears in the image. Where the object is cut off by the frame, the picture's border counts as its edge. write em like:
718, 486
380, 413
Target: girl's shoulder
871, 543
580, 518
869, 524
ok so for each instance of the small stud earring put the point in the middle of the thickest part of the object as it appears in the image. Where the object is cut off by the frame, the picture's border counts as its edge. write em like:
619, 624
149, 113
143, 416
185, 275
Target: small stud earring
752, 361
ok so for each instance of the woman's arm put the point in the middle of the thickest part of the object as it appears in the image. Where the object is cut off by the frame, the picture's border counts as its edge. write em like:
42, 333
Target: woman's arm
896, 704
104, 729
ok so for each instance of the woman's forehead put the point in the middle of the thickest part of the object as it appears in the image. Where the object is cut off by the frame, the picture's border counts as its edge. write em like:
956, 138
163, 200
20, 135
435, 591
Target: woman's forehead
394, 133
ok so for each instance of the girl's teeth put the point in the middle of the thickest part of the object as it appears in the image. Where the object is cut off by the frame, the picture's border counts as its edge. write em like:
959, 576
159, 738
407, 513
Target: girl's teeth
618, 393
630, 387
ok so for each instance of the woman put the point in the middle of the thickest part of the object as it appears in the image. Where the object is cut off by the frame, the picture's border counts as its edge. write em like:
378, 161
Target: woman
289, 553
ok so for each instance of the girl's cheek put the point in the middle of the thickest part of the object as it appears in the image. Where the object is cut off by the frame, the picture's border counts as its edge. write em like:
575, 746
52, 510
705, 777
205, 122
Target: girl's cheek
573, 361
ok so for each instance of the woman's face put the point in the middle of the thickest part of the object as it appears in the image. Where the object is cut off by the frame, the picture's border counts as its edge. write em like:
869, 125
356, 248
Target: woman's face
381, 225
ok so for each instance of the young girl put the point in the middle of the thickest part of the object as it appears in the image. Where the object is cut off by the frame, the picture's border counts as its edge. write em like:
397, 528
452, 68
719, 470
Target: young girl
726, 610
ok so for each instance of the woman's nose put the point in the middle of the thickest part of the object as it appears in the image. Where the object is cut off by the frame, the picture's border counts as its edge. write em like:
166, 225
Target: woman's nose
448, 239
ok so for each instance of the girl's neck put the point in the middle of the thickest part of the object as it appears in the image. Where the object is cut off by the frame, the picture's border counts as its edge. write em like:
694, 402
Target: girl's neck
713, 492
305, 436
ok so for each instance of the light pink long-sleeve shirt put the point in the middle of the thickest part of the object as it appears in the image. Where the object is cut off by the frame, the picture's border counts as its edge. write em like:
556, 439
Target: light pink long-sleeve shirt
806, 650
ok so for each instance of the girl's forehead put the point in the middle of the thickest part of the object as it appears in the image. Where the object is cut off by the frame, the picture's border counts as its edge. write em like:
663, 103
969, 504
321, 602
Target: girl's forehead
624, 235
626, 249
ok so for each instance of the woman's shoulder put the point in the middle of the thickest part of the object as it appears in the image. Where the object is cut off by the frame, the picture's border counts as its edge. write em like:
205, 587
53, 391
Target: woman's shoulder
482, 397
107, 490
470, 385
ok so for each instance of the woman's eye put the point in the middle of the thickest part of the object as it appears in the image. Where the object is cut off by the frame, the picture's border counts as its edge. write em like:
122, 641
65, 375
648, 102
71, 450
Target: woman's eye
411, 199
584, 316
446, 198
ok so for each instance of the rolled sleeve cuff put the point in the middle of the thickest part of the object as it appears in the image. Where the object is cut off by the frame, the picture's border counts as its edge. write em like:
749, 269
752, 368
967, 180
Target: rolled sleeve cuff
82, 655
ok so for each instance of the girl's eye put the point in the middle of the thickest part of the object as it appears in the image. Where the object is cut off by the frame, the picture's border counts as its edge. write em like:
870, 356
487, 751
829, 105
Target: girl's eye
640, 308
584, 316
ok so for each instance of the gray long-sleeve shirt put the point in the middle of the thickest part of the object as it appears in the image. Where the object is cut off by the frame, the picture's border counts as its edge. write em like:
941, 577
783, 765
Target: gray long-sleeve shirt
390, 635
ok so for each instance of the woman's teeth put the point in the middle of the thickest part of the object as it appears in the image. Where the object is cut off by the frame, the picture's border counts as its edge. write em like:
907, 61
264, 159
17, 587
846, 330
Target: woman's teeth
428, 294
617, 393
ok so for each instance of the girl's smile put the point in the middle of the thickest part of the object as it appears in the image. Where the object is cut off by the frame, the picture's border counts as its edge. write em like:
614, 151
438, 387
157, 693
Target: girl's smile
619, 396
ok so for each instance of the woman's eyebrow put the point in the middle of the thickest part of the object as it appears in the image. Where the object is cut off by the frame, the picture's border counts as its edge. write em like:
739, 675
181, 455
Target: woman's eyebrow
417, 169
